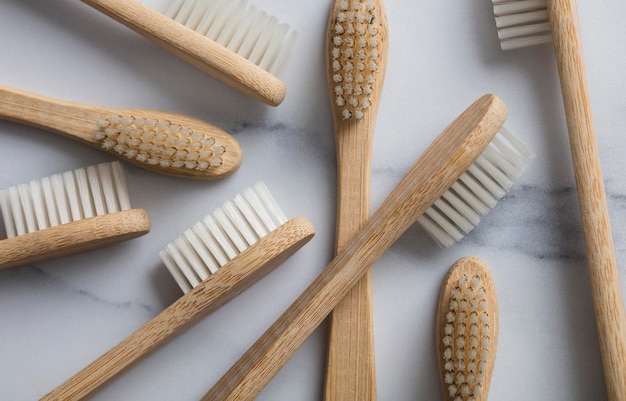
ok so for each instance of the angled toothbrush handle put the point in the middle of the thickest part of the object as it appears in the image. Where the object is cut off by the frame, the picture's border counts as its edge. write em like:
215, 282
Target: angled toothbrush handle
201, 52
435, 171
230, 280
601, 260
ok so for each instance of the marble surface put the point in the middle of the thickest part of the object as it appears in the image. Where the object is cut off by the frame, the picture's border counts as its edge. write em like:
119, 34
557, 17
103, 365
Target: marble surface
57, 316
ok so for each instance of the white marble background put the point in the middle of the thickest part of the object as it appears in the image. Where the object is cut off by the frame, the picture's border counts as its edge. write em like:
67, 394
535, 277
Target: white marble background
57, 316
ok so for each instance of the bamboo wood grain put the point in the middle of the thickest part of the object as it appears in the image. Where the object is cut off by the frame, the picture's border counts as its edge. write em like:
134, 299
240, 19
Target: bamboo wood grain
350, 371
230, 280
79, 122
196, 49
435, 171
74, 237
596, 227
468, 267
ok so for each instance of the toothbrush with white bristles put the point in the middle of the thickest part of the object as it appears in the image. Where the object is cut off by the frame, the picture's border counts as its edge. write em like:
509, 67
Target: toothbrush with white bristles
560, 18
212, 262
439, 167
232, 41
68, 213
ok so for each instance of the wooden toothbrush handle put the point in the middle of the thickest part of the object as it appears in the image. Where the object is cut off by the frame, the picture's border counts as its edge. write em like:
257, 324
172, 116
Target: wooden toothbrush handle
219, 288
350, 370
350, 366
607, 295
196, 49
73, 237
435, 171
66, 118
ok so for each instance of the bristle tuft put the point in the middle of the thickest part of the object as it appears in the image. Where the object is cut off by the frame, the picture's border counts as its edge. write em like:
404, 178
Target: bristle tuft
240, 27
459, 209
63, 198
221, 236
354, 56
159, 142
521, 23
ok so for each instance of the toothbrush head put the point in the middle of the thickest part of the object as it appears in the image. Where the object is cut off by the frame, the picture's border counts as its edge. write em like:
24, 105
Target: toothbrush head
356, 56
222, 235
467, 330
173, 144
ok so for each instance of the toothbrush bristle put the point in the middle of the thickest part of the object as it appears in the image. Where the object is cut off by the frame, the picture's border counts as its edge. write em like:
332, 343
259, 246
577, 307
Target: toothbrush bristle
63, 198
354, 40
240, 27
522, 23
476, 192
222, 235
159, 142
467, 331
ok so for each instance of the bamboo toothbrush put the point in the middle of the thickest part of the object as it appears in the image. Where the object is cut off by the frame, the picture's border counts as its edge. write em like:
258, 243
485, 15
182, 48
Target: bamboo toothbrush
467, 331
212, 262
161, 142
443, 163
238, 44
67, 213
561, 19
356, 55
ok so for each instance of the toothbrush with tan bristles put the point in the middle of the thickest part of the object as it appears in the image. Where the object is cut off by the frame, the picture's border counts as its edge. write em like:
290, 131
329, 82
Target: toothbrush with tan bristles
356, 52
467, 331
212, 262
523, 23
238, 44
165, 143
439, 174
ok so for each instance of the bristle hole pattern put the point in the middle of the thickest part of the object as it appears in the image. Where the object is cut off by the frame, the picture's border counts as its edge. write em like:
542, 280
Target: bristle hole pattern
222, 235
476, 192
62, 198
354, 57
238, 26
159, 142
466, 340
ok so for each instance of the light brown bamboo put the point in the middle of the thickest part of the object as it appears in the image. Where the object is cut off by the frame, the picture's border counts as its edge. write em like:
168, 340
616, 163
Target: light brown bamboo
196, 49
230, 280
350, 371
79, 121
74, 237
596, 227
443, 162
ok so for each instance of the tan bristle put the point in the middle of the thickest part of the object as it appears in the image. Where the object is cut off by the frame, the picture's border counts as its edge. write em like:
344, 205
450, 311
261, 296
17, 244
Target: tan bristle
159, 142
467, 331
354, 55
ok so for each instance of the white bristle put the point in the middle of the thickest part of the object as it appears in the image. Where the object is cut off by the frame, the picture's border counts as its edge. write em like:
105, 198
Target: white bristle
239, 27
221, 236
63, 198
476, 192
50, 202
39, 205
83, 190
521, 23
